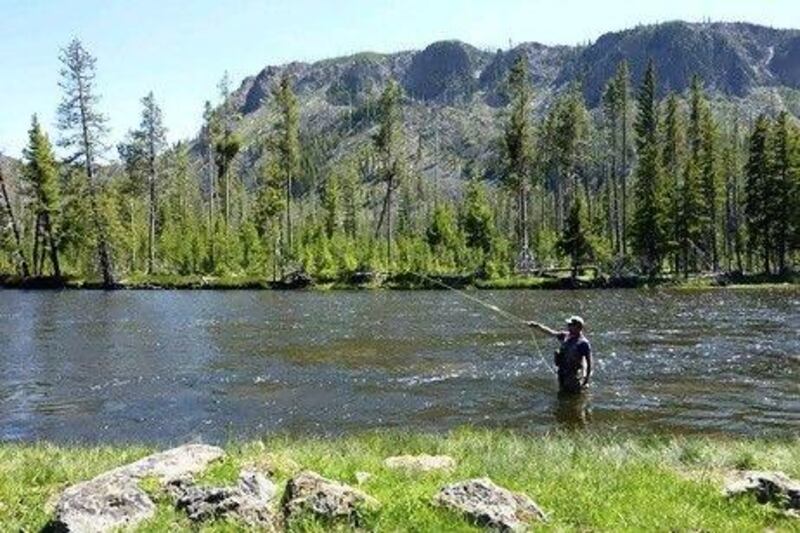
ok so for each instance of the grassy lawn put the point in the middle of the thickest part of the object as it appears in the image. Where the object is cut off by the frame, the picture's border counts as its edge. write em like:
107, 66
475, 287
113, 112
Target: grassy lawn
584, 482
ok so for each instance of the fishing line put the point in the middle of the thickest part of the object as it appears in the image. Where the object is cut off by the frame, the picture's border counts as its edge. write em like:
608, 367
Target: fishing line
494, 308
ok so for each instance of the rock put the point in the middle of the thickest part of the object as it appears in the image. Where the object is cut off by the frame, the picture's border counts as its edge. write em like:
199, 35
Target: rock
113, 499
248, 501
308, 492
490, 505
767, 486
421, 463
362, 477
365, 278
298, 279
172, 464
98, 507
257, 487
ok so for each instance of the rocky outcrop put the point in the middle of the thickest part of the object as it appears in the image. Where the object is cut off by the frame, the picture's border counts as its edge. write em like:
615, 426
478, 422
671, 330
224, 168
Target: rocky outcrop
443, 72
785, 62
774, 487
113, 500
365, 76
248, 501
308, 493
490, 505
732, 59
420, 463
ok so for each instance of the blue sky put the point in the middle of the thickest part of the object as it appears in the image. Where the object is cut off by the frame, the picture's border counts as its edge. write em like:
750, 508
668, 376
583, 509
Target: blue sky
180, 49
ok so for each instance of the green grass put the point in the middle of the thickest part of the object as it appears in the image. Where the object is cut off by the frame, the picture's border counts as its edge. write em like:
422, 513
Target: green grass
584, 482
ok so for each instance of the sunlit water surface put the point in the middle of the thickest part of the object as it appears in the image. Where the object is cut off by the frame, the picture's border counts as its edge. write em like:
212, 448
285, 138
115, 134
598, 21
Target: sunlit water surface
166, 367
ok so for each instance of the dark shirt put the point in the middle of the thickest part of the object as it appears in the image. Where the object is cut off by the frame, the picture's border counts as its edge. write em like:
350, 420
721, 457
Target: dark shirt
569, 360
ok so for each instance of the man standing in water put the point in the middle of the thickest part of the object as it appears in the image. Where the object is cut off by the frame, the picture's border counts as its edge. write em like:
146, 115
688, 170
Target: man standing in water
575, 349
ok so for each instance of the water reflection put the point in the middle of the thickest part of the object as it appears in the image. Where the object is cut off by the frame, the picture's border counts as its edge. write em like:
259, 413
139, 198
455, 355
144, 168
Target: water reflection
572, 410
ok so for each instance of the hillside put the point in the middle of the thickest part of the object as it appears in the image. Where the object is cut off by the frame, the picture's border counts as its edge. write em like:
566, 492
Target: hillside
454, 91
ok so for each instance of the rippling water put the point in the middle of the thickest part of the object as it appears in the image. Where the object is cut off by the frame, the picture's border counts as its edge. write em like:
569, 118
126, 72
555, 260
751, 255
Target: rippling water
173, 366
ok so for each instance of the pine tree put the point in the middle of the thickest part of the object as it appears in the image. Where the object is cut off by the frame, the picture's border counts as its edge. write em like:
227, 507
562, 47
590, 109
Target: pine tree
389, 143
181, 238
351, 194
76, 229
331, 204
406, 210
648, 230
141, 153
783, 186
710, 186
691, 208
41, 175
733, 225
611, 113
696, 111
288, 144
793, 194
758, 190
518, 154
478, 218
226, 147
672, 157
208, 133
623, 87
570, 146
689, 228
84, 129
269, 204
702, 140
226, 144
574, 241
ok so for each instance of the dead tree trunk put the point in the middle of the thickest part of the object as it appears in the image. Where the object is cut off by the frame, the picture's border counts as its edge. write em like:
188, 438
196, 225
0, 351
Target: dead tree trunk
14, 227
51, 243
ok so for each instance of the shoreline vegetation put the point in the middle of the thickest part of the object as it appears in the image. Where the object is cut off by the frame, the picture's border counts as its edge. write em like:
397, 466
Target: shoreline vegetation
643, 183
582, 481
403, 281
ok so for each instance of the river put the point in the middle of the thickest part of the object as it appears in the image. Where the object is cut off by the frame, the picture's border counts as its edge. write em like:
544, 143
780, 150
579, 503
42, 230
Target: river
169, 366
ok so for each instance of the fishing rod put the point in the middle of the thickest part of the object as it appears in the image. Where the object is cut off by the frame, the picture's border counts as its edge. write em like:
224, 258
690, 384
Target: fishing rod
491, 307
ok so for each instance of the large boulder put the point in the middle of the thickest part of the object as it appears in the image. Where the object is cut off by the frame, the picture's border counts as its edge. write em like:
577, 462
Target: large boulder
774, 487
113, 499
490, 505
420, 463
248, 501
310, 493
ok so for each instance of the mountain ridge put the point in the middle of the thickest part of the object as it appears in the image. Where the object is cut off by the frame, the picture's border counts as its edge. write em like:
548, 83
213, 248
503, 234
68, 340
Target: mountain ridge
454, 98
747, 39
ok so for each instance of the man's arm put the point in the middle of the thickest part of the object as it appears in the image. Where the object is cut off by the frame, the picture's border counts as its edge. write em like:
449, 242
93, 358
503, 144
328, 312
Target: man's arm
588, 357
544, 329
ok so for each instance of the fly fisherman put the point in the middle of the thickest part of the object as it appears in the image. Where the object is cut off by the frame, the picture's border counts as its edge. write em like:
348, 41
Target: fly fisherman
573, 377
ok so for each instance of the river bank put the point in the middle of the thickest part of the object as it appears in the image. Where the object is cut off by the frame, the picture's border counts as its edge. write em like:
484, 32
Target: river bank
404, 281
599, 482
